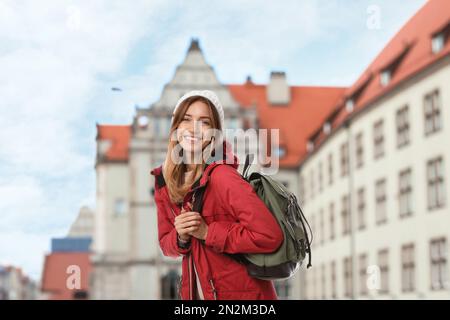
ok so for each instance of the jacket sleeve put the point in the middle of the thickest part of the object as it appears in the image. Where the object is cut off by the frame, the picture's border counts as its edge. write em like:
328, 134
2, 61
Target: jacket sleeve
167, 234
256, 229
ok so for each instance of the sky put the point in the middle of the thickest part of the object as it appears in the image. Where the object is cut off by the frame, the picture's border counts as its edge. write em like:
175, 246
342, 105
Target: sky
59, 60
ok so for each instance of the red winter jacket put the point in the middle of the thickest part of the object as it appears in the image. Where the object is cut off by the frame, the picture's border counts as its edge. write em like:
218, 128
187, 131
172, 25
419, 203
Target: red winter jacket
238, 222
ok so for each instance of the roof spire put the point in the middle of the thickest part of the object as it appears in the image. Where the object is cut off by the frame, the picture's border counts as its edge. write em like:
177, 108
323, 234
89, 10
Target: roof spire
195, 45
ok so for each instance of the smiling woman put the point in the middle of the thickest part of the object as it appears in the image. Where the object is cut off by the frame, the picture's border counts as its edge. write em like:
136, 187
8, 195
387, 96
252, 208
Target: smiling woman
233, 218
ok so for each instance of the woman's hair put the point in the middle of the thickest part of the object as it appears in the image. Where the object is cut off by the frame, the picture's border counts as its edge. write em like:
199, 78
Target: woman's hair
173, 172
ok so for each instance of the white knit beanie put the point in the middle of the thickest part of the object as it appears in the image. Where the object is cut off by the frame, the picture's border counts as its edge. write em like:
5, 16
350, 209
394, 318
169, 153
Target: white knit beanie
208, 94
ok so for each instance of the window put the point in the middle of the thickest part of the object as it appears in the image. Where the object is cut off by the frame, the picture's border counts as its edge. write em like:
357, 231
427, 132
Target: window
383, 263
311, 181
333, 280
385, 77
405, 193
330, 169
345, 212
359, 150
302, 190
380, 201
315, 287
120, 207
156, 127
323, 281
437, 43
348, 284
361, 207
378, 139
363, 274
349, 105
320, 177
432, 109
344, 159
306, 285
408, 268
142, 121
280, 151
435, 178
439, 266
402, 119
332, 224
322, 227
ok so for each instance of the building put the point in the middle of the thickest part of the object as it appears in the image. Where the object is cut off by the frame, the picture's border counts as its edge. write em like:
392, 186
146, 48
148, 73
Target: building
375, 179
127, 260
14, 285
67, 268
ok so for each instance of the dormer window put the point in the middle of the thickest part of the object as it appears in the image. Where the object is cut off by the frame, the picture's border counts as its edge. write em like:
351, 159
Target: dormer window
387, 72
103, 146
349, 105
385, 77
280, 151
437, 43
310, 146
326, 128
439, 38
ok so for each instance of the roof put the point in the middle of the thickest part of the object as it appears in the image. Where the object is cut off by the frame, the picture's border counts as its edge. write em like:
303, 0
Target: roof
406, 54
119, 136
55, 273
307, 109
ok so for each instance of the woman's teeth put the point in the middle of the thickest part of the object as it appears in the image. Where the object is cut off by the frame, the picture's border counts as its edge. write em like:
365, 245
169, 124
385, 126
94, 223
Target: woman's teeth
192, 139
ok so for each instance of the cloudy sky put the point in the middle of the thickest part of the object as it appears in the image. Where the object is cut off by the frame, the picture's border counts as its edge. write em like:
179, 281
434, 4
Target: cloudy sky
59, 59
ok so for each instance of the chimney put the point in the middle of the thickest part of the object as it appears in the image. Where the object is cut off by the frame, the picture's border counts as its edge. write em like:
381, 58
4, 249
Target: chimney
278, 90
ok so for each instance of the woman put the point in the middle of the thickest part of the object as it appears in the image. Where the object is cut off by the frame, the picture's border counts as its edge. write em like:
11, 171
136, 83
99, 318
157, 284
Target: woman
233, 218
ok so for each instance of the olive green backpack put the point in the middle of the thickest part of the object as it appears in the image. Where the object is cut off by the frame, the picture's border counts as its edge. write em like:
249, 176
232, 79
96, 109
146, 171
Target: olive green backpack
286, 260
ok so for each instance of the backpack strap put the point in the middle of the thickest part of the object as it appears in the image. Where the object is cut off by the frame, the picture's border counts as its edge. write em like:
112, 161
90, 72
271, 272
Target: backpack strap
197, 206
248, 160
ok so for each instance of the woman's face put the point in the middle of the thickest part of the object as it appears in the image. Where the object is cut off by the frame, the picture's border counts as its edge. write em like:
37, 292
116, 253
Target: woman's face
192, 133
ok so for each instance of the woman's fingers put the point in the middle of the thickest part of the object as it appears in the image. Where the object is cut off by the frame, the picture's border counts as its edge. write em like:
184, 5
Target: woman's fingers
187, 217
188, 230
188, 224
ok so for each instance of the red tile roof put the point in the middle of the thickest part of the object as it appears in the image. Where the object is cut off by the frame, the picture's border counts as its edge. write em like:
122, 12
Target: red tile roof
307, 109
119, 136
408, 53
55, 273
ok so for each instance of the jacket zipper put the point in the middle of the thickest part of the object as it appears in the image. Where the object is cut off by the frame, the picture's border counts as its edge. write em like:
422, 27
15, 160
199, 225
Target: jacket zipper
190, 276
190, 258
213, 289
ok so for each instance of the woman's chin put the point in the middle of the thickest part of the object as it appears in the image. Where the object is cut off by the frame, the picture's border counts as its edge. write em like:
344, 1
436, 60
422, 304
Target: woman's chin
191, 147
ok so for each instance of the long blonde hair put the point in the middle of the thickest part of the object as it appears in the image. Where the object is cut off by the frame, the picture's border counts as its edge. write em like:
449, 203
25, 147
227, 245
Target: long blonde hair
173, 172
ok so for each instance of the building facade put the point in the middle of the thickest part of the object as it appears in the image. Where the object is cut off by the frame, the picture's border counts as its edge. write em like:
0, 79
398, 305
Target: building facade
374, 184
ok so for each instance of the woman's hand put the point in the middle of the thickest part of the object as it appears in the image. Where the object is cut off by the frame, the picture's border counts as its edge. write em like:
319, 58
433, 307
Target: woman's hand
190, 223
